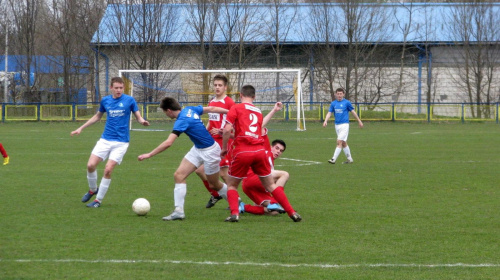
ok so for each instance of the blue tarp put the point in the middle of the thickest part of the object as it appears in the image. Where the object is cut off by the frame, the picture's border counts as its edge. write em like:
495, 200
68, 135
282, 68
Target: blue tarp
44, 64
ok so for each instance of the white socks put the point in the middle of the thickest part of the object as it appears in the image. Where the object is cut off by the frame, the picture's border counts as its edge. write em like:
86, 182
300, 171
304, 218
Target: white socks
336, 153
103, 189
179, 195
223, 192
347, 153
92, 178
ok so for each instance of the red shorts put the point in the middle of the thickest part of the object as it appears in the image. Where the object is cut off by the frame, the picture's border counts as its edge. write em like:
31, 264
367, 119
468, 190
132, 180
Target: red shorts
241, 161
254, 189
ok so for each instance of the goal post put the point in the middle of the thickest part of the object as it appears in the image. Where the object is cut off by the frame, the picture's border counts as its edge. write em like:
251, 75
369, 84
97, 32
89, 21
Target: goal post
194, 87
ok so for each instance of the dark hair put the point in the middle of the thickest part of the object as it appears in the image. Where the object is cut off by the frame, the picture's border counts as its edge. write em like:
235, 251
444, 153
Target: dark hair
118, 80
279, 141
248, 91
221, 78
170, 103
340, 89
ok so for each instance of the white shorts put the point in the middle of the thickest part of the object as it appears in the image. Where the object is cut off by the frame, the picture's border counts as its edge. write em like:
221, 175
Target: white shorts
342, 131
113, 150
210, 157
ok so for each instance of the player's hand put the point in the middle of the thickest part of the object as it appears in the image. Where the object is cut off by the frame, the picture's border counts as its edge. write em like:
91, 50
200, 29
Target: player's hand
143, 157
325, 123
145, 123
361, 125
278, 106
75, 132
223, 153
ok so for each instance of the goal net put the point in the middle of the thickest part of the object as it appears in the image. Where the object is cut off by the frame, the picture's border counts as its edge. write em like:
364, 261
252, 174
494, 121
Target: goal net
194, 87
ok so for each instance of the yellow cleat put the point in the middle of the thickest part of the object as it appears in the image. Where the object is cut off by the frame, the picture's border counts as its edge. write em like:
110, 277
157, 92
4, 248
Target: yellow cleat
6, 161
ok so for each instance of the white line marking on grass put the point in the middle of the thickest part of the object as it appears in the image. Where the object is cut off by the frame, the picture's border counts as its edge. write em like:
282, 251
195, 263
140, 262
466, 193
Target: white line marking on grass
411, 265
302, 162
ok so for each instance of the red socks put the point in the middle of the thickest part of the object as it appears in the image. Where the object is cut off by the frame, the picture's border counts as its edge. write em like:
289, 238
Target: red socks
214, 193
232, 199
256, 210
2, 150
280, 196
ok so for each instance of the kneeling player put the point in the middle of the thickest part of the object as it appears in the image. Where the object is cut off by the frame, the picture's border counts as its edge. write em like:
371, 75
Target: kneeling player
253, 188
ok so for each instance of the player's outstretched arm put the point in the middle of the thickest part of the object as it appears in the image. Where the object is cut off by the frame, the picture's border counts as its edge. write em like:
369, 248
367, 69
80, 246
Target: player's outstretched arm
327, 117
212, 109
140, 119
226, 134
162, 147
360, 123
95, 118
277, 107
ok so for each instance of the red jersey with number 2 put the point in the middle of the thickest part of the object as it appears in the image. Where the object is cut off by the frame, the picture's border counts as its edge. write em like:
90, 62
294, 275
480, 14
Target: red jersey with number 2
247, 123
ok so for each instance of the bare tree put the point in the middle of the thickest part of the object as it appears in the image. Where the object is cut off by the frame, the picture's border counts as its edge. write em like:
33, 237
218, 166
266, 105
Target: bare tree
70, 26
278, 27
25, 16
324, 29
203, 25
476, 24
143, 29
364, 25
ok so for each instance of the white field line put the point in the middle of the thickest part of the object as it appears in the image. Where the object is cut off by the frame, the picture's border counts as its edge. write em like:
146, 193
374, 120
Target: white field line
301, 162
410, 265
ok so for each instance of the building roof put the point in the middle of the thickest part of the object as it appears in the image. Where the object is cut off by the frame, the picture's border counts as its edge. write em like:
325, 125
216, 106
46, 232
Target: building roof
430, 22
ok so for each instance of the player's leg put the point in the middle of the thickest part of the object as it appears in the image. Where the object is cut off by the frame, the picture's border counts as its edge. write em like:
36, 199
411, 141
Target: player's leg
214, 196
94, 160
280, 196
338, 147
180, 189
4, 155
233, 198
345, 147
116, 154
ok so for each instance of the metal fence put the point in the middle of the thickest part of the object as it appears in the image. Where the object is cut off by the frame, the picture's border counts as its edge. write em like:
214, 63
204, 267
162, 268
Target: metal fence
431, 112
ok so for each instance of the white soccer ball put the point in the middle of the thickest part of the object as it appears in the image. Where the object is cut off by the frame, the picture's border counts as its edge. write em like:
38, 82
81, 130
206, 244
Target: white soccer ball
141, 206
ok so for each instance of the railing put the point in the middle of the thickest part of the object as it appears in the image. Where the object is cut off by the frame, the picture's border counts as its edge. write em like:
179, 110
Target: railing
432, 112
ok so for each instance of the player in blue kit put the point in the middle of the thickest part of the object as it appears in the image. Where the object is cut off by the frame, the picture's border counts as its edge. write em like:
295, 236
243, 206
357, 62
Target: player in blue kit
340, 109
205, 150
114, 141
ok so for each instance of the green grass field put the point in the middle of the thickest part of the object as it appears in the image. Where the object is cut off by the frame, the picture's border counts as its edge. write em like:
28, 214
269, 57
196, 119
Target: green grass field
421, 201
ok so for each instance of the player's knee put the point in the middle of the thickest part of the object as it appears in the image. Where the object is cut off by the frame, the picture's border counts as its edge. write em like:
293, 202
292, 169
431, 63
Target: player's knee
107, 172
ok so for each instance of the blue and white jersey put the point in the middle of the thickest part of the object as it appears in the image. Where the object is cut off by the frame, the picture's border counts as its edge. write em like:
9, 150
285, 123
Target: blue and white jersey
118, 117
189, 122
340, 110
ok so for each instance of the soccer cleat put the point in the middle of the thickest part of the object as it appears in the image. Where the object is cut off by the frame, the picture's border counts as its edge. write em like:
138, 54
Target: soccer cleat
232, 219
296, 217
212, 201
347, 162
94, 204
331, 161
176, 215
242, 207
6, 160
86, 197
275, 207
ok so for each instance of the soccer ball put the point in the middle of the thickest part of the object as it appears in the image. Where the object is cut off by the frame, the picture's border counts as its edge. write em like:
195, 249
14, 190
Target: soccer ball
141, 206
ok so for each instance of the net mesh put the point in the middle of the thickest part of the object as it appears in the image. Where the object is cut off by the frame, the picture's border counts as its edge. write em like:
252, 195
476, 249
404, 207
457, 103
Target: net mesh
195, 87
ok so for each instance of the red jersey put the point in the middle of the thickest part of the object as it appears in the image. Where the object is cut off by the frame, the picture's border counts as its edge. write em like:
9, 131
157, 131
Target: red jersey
216, 120
247, 123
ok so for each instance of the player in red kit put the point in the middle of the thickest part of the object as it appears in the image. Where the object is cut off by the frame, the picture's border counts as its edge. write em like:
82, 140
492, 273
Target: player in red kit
248, 151
253, 188
215, 125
